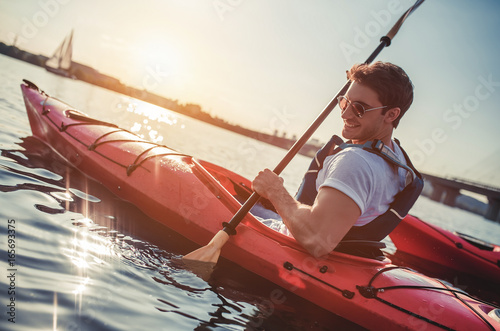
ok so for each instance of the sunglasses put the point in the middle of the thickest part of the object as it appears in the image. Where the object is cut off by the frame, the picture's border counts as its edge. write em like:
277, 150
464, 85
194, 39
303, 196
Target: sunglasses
357, 108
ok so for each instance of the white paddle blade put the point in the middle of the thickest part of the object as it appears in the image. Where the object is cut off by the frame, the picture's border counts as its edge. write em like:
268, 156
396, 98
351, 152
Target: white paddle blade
209, 253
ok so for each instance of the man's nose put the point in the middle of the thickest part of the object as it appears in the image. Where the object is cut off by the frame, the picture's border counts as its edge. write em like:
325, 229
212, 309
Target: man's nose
347, 112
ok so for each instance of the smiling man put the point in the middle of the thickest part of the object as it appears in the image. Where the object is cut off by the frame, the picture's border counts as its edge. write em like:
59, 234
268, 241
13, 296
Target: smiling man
353, 187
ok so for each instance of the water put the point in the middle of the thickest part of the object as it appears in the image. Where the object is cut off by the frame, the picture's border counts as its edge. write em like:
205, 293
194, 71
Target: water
85, 260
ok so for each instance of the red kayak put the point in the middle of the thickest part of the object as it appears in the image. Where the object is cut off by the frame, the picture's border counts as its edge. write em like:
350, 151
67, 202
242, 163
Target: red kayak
194, 197
446, 252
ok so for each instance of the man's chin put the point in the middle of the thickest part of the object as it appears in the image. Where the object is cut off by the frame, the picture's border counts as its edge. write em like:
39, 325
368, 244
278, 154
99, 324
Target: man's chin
348, 133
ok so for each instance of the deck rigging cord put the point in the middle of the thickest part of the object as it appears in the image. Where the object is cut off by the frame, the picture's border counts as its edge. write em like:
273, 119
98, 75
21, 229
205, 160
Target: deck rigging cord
371, 292
84, 120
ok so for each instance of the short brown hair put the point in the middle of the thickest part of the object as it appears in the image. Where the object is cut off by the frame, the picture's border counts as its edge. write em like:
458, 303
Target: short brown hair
390, 82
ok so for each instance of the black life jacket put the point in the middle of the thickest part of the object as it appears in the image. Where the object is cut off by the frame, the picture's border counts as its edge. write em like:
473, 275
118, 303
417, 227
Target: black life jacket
381, 226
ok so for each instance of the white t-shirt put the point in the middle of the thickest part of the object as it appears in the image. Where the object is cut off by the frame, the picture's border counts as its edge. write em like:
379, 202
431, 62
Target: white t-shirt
366, 178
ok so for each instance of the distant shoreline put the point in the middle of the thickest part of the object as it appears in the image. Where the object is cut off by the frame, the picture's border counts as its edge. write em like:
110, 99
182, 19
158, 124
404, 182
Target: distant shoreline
90, 75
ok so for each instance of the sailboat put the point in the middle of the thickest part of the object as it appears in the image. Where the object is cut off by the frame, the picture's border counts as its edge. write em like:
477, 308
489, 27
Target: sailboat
60, 62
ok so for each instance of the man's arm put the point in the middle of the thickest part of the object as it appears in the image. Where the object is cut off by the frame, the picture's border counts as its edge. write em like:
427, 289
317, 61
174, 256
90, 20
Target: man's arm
318, 228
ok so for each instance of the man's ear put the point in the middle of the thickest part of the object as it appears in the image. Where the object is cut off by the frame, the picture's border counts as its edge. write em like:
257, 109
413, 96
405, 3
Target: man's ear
392, 114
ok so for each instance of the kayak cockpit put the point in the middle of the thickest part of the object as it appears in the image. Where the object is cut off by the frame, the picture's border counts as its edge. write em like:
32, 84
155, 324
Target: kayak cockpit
240, 189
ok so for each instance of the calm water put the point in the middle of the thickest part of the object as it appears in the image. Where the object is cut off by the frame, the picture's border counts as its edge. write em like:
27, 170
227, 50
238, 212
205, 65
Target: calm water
88, 261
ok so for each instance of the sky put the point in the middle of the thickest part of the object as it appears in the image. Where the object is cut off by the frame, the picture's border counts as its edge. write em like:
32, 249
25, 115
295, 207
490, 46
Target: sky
274, 65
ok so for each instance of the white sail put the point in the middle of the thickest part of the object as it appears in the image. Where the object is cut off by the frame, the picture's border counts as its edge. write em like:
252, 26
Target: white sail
65, 61
60, 62
53, 62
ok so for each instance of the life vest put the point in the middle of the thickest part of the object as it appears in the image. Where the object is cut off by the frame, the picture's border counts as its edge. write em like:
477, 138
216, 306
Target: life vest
381, 226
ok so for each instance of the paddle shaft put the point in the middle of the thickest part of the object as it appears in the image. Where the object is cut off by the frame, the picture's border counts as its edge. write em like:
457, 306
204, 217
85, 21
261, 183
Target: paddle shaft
385, 41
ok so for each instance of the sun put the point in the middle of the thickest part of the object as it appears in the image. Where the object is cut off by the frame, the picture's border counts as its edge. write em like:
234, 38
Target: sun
156, 63
156, 54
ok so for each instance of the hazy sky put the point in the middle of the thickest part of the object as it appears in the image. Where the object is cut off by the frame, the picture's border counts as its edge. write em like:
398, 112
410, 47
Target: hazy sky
274, 64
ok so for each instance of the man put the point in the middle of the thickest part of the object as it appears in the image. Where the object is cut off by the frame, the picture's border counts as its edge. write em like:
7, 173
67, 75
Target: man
354, 186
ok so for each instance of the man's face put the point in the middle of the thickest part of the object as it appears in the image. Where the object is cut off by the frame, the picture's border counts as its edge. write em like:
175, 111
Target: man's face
372, 125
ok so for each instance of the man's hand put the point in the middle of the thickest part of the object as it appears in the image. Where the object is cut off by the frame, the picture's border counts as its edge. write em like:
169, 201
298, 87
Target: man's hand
267, 183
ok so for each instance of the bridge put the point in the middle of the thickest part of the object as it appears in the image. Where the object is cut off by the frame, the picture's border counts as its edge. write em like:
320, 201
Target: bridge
447, 190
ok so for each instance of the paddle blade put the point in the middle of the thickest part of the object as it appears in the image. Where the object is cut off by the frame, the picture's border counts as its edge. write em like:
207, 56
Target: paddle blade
209, 253
203, 270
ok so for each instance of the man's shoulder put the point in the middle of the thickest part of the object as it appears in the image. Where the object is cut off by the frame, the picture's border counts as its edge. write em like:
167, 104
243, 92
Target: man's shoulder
352, 162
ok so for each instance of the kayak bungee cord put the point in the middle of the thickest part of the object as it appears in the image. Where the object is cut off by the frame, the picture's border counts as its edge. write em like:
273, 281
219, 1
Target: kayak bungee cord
130, 168
346, 293
370, 292
455, 293
71, 114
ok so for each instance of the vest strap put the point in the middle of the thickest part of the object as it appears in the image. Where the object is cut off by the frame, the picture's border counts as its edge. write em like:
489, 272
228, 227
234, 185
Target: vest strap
379, 148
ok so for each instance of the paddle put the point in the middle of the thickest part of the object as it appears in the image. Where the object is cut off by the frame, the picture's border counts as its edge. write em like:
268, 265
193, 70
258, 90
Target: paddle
207, 256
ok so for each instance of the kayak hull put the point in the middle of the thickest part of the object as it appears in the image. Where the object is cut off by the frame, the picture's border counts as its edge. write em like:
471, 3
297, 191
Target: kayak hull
194, 197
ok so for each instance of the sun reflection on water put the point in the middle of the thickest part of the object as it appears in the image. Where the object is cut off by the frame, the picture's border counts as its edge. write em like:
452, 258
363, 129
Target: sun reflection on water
81, 287
89, 248
54, 314
153, 115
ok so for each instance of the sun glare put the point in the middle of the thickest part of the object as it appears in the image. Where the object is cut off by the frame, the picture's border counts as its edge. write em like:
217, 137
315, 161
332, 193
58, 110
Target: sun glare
156, 60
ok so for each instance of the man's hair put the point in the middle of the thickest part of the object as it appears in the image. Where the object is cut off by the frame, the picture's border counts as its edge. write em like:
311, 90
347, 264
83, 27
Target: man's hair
390, 82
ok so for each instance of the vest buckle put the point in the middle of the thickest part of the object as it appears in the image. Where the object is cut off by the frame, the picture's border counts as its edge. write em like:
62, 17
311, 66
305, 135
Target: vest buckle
378, 145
